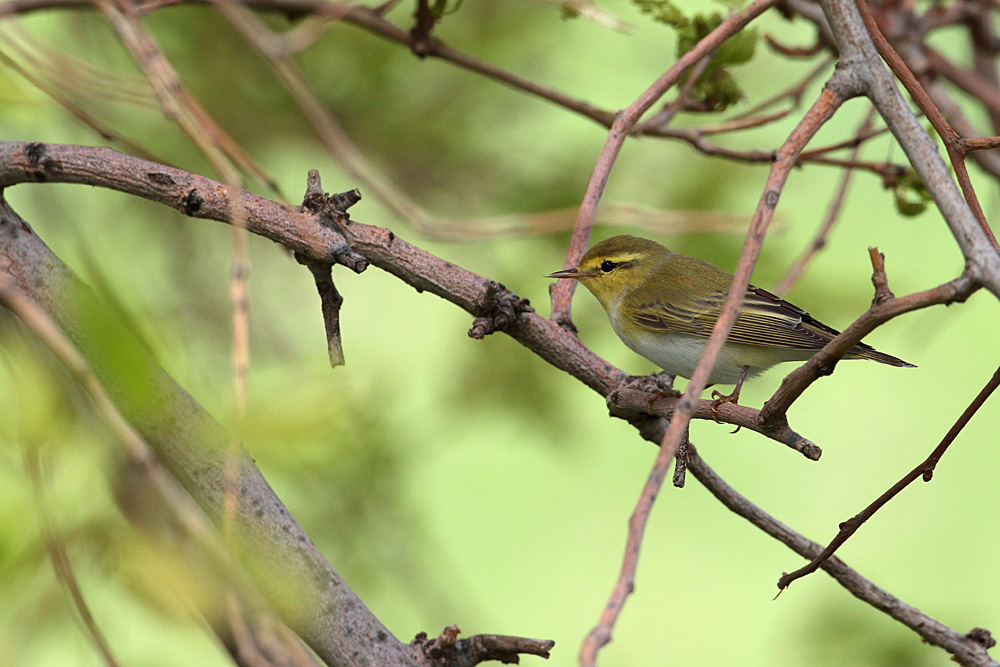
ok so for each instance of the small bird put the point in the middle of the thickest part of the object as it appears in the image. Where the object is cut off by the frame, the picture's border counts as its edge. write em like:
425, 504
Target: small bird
664, 306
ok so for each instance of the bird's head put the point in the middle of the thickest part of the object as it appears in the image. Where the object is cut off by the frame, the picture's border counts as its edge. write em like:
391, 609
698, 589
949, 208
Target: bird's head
616, 265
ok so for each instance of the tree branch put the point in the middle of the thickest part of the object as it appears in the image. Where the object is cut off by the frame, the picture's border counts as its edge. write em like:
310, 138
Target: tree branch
858, 52
193, 448
925, 469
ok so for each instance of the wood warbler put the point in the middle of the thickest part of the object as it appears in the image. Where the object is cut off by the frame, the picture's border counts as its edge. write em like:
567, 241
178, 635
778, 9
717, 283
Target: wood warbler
664, 305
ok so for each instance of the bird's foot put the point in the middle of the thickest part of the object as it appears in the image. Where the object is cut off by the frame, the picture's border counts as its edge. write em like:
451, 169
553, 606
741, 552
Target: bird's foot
718, 398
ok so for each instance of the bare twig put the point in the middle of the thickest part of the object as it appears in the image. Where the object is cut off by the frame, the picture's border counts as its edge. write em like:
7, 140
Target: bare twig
76, 110
925, 469
669, 111
177, 103
219, 148
793, 92
794, 51
968, 649
881, 311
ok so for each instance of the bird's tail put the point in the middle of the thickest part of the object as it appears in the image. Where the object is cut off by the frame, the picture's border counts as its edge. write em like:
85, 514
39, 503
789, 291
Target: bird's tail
862, 351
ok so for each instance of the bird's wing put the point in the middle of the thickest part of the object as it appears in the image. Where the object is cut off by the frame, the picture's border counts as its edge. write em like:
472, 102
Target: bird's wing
765, 319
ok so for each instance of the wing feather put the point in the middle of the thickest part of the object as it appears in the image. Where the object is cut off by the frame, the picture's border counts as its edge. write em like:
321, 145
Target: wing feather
765, 319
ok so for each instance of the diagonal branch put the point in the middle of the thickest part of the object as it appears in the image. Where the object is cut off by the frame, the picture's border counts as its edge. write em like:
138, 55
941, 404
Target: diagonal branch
968, 649
297, 229
925, 469
856, 49
830, 99
823, 362
194, 447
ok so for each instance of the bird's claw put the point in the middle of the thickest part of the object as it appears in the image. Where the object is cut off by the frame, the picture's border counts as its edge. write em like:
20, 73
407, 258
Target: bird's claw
718, 398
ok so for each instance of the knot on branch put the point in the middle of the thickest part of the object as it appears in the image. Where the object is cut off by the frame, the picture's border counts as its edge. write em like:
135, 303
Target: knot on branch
567, 324
982, 636
331, 211
447, 650
498, 309
40, 164
332, 208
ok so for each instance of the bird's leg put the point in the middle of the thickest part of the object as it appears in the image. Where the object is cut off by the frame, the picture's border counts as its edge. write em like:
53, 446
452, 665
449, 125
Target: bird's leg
734, 398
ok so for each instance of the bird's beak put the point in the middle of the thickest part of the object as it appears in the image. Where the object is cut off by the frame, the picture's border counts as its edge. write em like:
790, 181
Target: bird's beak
566, 273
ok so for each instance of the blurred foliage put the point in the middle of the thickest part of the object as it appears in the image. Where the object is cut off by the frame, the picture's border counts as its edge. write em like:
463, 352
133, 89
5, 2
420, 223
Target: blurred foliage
910, 193
663, 11
451, 480
716, 88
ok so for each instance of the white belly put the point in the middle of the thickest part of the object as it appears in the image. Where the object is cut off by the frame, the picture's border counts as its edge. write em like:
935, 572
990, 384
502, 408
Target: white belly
678, 354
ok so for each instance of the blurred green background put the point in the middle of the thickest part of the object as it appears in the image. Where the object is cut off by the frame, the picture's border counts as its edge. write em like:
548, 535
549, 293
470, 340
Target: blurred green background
458, 481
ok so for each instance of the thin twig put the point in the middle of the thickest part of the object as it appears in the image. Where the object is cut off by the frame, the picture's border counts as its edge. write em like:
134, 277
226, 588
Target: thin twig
77, 111
793, 92
925, 469
177, 103
219, 149
823, 362
742, 123
667, 114
967, 649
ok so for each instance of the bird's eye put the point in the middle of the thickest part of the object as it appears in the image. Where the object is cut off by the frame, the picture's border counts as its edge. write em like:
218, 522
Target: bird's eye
608, 266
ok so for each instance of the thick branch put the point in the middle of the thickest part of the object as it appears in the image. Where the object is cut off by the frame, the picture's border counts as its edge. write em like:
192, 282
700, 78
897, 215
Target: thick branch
193, 446
859, 54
